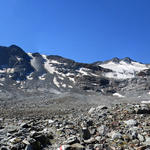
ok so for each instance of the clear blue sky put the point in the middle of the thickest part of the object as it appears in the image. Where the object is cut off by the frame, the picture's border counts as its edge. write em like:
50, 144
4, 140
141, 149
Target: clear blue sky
83, 30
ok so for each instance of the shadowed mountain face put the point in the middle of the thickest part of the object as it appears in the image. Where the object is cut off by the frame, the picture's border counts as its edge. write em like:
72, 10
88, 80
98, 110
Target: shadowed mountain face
31, 73
9, 56
16, 61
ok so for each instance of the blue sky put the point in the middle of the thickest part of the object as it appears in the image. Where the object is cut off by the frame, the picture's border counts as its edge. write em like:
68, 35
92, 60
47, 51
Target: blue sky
83, 30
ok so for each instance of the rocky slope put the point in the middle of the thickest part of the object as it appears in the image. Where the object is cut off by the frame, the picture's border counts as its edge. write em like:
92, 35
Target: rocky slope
119, 127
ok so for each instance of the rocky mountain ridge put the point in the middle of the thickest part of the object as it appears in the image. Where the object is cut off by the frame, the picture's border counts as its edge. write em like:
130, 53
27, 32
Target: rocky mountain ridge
33, 72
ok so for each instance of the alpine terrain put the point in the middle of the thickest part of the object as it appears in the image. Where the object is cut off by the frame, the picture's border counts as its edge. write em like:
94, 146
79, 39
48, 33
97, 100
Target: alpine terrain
51, 102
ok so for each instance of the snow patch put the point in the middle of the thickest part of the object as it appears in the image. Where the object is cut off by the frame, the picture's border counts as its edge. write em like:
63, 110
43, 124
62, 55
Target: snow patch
7, 70
10, 70
48, 66
70, 74
17, 81
18, 58
118, 95
61, 78
145, 102
2, 70
69, 86
30, 54
29, 77
84, 71
1, 84
71, 79
64, 85
60, 73
10, 76
42, 77
56, 82
55, 62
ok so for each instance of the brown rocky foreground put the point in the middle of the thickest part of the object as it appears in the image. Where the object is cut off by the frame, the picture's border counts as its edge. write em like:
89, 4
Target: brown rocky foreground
119, 127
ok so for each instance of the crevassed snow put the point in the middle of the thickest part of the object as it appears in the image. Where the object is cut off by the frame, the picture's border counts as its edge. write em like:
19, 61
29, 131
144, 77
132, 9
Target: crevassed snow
56, 82
118, 95
123, 70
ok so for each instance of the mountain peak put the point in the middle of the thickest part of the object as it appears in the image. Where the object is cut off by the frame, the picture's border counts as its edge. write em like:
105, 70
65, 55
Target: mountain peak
115, 59
14, 49
14, 46
127, 60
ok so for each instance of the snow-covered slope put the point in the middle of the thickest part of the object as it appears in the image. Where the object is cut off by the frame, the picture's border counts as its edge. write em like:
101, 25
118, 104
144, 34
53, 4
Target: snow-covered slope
122, 69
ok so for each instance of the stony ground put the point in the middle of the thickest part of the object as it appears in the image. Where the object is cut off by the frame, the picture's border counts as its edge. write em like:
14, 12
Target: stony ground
66, 124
